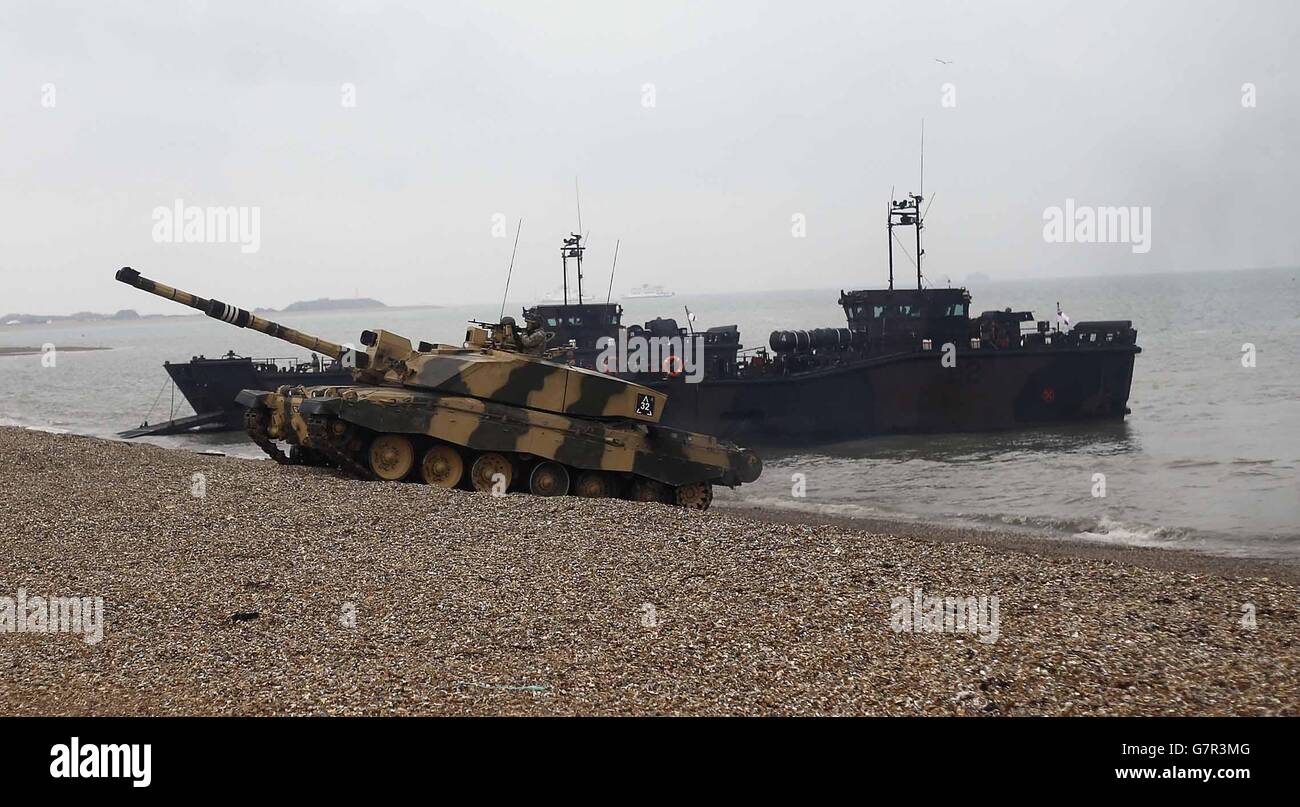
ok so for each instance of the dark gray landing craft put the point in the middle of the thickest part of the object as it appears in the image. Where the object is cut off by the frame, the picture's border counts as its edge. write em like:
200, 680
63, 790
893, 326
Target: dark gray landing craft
910, 361
831, 394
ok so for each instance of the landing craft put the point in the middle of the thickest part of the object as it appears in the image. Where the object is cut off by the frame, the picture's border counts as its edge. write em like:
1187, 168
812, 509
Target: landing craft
909, 361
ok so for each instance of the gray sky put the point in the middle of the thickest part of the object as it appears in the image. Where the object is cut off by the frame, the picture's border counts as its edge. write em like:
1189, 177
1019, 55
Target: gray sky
761, 112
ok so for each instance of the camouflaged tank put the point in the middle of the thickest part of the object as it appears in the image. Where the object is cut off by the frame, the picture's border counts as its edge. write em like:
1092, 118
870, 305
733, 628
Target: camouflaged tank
488, 415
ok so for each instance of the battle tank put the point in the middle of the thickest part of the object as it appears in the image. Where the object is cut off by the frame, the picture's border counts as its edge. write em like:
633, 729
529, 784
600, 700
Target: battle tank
488, 415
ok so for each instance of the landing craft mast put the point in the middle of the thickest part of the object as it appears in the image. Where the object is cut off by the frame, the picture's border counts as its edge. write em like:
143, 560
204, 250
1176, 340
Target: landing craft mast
572, 248
906, 213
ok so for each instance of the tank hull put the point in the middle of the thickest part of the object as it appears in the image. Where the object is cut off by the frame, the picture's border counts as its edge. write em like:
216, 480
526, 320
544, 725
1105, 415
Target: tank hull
378, 432
667, 455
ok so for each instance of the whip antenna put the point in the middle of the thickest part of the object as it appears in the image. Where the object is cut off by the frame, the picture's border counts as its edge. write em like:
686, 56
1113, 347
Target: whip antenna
610, 293
578, 198
510, 271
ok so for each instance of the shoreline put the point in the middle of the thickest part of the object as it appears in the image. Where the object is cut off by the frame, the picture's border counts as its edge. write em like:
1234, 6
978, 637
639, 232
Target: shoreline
1013, 538
1021, 540
241, 587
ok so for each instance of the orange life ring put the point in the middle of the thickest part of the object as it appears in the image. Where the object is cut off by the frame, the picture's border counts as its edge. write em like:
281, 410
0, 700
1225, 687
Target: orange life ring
668, 366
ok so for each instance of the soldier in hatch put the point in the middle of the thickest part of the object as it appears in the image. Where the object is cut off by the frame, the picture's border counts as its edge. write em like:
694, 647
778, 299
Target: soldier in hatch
533, 339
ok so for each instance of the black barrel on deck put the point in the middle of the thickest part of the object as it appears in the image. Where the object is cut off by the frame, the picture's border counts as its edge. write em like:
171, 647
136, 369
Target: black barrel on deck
815, 339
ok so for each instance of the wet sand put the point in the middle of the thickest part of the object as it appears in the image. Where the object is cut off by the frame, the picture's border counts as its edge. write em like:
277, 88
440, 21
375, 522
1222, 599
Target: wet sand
296, 591
1159, 558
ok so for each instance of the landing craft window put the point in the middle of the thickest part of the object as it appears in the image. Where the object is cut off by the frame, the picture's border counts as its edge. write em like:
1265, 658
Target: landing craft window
552, 321
956, 310
897, 311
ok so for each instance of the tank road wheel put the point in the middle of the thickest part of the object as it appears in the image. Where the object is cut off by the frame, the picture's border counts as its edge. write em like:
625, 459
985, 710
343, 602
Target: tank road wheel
696, 496
593, 485
549, 479
485, 469
442, 466
648, 490
391, 457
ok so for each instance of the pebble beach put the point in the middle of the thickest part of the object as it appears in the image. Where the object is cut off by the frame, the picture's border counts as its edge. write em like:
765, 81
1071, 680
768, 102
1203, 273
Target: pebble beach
239, 587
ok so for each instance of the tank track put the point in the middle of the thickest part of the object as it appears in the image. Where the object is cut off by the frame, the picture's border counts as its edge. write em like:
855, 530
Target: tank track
329, 447
333, 449
255, 425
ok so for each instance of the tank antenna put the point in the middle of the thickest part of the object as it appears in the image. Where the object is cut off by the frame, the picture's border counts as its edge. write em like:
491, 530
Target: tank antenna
510, 271
610, 293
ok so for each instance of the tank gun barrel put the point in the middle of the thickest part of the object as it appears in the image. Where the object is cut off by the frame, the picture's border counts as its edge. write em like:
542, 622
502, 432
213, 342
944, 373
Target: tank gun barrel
238, 317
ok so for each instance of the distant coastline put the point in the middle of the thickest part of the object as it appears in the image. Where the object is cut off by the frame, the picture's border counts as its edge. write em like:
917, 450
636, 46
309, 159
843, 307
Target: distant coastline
322, 305
125, 315
326, 304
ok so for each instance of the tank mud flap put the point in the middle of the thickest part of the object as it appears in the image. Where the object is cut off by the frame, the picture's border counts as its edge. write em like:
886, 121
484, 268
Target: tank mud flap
252, 398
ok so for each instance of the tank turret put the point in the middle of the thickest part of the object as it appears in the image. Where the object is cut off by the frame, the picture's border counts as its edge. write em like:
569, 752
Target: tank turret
490, 414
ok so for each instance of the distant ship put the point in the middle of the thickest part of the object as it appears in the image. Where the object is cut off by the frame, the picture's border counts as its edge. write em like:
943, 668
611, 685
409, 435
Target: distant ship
647, 291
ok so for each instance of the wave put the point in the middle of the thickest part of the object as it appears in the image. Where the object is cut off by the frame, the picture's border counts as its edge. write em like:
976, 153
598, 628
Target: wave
804, 506
31, 428
1110, 530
